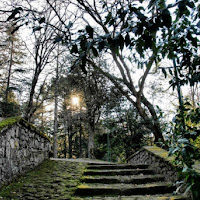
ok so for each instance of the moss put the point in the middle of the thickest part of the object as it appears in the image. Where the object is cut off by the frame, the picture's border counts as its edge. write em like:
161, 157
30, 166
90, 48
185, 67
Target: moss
48, 180
33, 128
82, 186
9, 122
160, 153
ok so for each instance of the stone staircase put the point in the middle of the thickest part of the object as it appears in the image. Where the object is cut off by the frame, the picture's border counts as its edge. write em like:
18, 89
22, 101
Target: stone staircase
124, 182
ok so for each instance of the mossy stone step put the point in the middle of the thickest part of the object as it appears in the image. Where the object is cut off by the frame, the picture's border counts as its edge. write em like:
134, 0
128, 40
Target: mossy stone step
119, 166
100, 163
118, 172
139, 197
123, 179
124, 189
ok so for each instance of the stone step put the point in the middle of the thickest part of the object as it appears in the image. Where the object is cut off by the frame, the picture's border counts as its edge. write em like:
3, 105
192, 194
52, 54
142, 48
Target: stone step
139, 197
118, 172
118, 166
101, 163
133, 179
124, 189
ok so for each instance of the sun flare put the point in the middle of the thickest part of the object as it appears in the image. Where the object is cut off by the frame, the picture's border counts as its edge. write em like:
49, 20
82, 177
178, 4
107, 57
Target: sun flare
75, 101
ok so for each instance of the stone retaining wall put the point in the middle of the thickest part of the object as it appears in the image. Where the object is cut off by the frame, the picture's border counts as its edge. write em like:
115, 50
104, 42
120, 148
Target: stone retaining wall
158, 159
21, 148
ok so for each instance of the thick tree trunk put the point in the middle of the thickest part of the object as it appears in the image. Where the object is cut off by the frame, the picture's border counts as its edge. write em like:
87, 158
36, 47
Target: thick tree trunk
153, 123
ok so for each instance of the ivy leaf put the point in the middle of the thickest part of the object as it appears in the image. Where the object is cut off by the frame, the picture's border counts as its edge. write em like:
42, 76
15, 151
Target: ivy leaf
90, 31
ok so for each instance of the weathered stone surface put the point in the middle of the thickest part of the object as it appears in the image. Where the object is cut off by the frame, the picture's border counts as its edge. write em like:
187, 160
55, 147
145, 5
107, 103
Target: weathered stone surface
21, 149
51, 180
158, 159
109, 185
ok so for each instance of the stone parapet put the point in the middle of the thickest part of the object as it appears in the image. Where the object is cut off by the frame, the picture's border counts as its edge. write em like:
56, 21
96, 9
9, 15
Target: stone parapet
158, 159
21, 148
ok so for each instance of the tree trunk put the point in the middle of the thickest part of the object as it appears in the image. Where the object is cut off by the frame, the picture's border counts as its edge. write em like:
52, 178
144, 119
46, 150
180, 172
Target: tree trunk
90, 141
65, 133
152, 123
55, 151
55, 127
9, 72
80, 144
31, 95
70, 142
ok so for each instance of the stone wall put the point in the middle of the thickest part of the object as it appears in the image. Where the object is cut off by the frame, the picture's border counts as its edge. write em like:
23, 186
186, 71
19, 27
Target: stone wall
158, 159
21, 148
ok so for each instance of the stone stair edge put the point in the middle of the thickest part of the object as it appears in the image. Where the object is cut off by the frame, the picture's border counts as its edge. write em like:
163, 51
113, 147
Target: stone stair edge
96, 185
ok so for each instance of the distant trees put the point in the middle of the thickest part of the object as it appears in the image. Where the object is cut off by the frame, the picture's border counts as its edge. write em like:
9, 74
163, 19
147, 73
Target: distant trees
125, 133
92, 89
11, 59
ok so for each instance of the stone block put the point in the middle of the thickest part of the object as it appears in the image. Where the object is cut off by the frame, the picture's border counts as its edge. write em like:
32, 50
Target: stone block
12, 143
12, 132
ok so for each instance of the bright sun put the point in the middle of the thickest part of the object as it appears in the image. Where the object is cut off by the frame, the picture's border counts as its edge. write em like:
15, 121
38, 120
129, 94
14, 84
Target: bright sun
75, 101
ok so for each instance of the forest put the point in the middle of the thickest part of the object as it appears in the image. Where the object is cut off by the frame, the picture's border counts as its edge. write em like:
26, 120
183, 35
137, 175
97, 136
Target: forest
103, 78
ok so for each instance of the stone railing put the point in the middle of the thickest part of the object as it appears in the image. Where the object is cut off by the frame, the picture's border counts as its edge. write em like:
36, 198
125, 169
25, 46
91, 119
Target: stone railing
158, 159
22, 148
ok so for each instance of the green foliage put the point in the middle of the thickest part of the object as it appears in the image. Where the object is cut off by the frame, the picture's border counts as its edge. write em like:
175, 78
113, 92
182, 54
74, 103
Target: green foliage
124, 135
9, 109
184, 132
